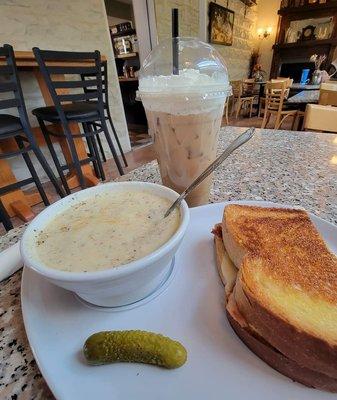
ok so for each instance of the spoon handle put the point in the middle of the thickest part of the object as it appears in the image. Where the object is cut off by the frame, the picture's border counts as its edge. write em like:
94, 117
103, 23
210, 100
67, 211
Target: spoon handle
239, 141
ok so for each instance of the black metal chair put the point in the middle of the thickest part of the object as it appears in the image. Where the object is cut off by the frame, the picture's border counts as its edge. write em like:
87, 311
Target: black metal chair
74, 107
4, 218
19, 129
105, 90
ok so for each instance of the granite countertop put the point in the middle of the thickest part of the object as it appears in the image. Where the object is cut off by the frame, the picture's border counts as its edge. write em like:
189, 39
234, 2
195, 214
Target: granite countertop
306, 96
296, 168
304, 87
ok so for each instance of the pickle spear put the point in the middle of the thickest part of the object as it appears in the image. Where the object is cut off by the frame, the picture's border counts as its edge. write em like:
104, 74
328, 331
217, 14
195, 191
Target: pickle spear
134, 346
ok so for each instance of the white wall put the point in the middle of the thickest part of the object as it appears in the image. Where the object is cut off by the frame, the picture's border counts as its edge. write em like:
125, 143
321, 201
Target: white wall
61, 25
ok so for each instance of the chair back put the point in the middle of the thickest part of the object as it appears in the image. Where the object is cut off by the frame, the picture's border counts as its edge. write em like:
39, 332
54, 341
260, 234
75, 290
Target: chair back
289, 81
248, 86
10, 87
237, 88
328, 94
105, 87
275, 93
320, 118
64, 81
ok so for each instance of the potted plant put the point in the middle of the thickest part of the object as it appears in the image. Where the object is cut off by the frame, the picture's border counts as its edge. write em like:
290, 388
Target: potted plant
258, 73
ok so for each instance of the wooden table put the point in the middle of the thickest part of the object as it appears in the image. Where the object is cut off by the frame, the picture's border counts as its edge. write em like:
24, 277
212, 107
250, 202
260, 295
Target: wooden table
16, 202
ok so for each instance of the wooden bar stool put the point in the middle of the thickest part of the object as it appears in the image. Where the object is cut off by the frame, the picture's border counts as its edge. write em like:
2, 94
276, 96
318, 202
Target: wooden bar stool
74, 107
18, 129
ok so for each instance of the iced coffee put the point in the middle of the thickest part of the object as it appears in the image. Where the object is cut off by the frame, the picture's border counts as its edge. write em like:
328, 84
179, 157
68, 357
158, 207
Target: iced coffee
184, 114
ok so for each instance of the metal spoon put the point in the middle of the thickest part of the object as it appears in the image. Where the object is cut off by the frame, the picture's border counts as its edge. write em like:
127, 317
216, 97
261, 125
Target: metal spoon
239, 141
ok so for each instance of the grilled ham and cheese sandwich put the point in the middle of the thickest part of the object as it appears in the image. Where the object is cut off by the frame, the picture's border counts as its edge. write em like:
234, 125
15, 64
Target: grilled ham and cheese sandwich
282, 301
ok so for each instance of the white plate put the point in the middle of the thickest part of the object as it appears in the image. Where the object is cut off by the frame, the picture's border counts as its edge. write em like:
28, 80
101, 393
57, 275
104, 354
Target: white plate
190, 310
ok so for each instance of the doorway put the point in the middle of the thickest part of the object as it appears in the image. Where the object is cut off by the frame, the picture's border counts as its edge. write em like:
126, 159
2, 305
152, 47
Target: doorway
132, 32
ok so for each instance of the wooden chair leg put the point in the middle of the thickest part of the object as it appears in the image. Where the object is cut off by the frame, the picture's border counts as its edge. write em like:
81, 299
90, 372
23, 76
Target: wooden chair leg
283, 119
295, 122
251, 108
239, 105
264, 121
259, 110
233, 106
226, 114
277, 121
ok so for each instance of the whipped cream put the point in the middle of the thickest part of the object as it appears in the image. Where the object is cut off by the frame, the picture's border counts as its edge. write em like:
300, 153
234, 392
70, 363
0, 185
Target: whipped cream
188, 80
190, 92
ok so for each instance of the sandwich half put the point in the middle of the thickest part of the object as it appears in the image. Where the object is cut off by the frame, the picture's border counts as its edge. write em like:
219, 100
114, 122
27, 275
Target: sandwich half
281, 290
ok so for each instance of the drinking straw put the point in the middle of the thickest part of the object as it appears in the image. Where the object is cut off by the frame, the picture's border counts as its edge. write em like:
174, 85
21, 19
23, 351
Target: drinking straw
175, 34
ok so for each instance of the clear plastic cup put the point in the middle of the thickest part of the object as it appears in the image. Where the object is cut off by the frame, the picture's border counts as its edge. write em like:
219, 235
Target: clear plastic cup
184, 111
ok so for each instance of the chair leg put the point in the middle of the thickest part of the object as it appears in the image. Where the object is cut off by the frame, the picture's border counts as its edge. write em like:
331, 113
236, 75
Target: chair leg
278, 121
233, 106
32, 171
100, 146
226, 113
239, 105
264, 121
4, 218
96, 152
74, 155
117, 139
251, 109
48, 171
42, 160
111, 146
91, 149
54, 156
93, 155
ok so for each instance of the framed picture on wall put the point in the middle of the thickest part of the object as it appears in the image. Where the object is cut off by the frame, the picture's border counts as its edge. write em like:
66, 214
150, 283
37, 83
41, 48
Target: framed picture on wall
221, 25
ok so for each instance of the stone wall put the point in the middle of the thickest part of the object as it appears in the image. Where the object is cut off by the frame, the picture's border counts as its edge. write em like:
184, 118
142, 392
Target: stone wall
60, 25
236, 56
188, 17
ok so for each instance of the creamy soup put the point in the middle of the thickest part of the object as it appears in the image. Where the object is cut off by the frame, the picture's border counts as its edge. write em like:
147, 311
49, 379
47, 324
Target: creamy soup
105, 231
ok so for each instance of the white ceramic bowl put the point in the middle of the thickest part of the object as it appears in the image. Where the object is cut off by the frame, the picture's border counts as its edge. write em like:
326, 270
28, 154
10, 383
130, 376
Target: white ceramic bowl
116, 286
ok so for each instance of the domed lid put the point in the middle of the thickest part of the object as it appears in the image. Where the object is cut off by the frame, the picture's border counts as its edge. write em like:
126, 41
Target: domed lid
201, 69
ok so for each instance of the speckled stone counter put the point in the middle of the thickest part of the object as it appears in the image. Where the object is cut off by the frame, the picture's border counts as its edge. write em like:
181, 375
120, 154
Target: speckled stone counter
306, 96
296, 168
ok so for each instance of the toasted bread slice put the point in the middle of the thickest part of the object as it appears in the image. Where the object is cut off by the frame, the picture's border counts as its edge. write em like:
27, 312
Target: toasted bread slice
273, 357
251, 338
286, 289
